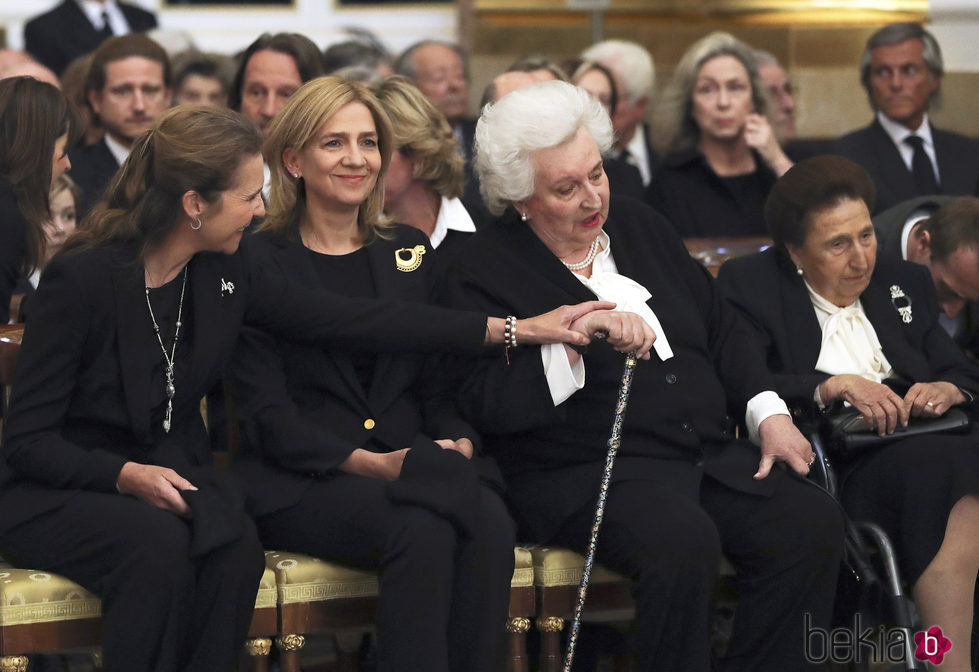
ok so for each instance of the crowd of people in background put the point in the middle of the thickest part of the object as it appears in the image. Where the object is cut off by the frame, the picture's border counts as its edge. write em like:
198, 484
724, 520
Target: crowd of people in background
336, 237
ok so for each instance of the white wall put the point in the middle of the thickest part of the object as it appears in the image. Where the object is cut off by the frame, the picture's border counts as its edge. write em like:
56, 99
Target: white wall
231, 29
955, 24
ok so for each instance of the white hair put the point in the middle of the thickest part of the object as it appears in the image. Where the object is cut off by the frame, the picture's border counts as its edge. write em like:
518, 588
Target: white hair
632, 64
539, 116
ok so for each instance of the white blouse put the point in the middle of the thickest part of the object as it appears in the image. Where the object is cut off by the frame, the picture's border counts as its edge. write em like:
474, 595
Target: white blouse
607, 284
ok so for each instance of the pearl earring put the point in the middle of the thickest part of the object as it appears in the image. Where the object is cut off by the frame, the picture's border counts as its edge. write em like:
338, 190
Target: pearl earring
798, 270
523, 216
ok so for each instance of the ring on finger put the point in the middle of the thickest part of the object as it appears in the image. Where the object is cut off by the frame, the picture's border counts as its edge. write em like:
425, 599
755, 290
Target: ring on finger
930, 404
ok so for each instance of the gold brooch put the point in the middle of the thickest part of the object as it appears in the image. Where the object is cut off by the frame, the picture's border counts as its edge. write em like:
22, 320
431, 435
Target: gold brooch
413, 259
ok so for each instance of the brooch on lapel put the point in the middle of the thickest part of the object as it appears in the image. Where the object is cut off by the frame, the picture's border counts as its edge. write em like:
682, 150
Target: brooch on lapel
413, 259
226, 286
901, 303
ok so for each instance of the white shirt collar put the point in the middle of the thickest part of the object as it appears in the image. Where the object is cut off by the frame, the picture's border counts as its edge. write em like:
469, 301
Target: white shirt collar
913, 219
898, 132
118, 150
93, 10
640, 155
453, 216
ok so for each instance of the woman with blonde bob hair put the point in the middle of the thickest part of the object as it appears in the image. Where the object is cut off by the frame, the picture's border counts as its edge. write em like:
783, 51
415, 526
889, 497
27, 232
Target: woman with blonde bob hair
315, 103
723, 156
424, 183
358, 457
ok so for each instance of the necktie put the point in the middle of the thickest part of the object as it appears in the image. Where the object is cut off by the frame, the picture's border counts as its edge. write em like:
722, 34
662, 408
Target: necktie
922, 170
106, 31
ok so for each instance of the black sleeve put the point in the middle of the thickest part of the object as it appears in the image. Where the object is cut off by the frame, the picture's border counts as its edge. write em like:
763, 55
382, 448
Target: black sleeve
45, 381
283, 306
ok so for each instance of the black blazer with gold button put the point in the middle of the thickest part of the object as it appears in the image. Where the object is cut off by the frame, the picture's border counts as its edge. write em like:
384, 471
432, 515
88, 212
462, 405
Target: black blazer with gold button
81, 401
304, 408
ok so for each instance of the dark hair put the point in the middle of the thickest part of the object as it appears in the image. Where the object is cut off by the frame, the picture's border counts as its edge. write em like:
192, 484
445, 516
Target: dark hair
953, 226
192, 62
309, 60
808, 187
354, 52
120, 47
177, 155
33, 115
896, 33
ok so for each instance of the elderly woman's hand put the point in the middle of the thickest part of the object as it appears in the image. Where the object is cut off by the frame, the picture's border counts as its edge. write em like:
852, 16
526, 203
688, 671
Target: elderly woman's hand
463, 446
551, 327
781, 441
383, 466
760, 137
155, 485
879, 405
626, 332
932, 399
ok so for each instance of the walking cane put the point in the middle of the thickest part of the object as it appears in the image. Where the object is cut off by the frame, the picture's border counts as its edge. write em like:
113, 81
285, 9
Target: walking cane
613, 447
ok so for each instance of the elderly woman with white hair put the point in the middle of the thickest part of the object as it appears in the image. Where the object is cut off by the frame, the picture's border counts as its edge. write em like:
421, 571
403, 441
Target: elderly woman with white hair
723, 155
684, 489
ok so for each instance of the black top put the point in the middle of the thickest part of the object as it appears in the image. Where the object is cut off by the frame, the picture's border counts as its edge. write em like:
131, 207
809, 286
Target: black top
700, 203
350, 275
13, 247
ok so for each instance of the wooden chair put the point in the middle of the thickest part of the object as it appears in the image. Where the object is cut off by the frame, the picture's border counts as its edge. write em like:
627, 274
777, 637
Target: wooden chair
318, 596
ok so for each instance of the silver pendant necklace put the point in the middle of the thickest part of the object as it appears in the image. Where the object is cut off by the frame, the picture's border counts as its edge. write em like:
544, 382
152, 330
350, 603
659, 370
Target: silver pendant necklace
170, 389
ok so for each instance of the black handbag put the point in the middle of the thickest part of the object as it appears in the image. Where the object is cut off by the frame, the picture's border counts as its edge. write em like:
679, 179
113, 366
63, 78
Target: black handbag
847, 432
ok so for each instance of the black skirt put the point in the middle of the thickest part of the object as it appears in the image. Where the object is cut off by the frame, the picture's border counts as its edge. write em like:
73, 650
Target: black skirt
909, 488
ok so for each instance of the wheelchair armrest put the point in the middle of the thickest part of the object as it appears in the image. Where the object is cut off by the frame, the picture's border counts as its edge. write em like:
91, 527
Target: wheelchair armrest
821, 471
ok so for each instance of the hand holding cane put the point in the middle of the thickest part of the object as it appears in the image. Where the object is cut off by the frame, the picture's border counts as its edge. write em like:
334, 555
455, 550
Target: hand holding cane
613, 446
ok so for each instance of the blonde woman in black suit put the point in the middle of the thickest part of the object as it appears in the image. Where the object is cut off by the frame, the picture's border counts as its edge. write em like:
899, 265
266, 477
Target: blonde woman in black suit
106, 475
363, 458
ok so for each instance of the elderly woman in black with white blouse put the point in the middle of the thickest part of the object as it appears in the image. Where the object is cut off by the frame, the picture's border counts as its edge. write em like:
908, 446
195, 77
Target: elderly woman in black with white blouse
684, 487
840, 325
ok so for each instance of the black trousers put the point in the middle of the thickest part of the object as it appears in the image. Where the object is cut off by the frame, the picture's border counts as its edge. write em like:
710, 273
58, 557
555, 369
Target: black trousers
162, 611
786, 549
444, 597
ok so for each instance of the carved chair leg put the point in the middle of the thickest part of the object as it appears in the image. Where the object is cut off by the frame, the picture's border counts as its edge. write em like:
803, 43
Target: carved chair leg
13, 664
289, 646
348, 650
550, 643
97, 659
517, 644
258, 654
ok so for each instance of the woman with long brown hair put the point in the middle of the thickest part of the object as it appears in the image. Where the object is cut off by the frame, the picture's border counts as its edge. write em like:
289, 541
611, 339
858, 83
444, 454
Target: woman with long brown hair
37, 126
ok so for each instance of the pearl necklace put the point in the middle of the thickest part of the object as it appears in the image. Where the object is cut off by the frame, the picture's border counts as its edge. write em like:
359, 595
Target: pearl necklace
171, 390
589, 258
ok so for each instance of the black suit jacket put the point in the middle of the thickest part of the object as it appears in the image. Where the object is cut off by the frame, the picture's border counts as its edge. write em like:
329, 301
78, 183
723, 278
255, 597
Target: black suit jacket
765, 287
304, 407
552, 456
59, 36
92, 168
890, 226
81, 400
873, 149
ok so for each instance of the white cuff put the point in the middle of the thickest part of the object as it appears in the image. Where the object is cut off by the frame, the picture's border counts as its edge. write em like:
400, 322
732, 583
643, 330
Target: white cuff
761, 407
563, 379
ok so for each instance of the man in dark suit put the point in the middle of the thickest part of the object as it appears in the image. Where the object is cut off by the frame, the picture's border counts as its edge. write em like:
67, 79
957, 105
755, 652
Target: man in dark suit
127, 88
74, 28
901, 70
632, 67
941, 233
